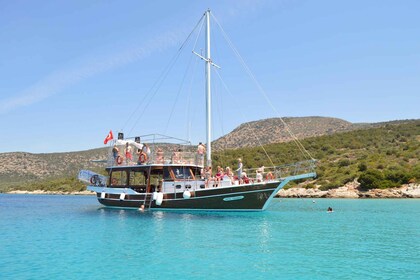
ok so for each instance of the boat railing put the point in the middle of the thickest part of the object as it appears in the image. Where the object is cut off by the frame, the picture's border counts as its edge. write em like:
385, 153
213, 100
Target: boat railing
151, 149
154, 155
171, 158
282, 171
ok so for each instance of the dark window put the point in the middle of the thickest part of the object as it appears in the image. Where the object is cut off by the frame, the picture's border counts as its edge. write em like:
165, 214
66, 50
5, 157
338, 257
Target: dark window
166, 175
119, 178
137, 178
182, 173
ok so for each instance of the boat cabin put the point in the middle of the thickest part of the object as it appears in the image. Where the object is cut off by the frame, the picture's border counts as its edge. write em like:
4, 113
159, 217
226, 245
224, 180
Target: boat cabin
149, 178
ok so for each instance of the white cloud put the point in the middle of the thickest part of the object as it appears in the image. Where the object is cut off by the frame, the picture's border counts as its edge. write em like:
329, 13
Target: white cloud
60, 80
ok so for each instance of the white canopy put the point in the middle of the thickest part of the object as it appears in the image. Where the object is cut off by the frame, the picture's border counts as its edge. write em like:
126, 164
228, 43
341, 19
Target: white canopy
130, 142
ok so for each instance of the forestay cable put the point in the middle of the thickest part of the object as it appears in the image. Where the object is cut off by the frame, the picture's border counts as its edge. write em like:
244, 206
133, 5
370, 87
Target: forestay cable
261, 90
243, 116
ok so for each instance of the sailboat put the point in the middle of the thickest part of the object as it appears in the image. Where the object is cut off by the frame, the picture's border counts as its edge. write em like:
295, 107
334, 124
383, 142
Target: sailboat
169, 175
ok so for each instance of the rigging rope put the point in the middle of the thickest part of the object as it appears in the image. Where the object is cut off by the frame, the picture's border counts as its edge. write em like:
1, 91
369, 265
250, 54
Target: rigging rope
243, 116
188, 112
159, 81
261, 90
185, 75
177, 96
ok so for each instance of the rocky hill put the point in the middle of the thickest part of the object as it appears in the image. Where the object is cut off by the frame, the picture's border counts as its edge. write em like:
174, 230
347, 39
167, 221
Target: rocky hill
22, 171
395, 144
273, 130
21, 167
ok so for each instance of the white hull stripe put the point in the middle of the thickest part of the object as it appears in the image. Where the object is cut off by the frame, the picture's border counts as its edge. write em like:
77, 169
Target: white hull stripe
226, 194
201, 197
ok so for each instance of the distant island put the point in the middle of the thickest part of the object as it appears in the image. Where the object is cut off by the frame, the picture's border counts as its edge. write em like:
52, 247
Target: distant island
375, 160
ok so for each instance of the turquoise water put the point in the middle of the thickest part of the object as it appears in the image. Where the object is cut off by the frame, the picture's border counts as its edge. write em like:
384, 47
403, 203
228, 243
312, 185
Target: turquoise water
72, 237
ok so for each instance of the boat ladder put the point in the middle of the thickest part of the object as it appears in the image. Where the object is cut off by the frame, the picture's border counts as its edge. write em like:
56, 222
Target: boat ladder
148, 198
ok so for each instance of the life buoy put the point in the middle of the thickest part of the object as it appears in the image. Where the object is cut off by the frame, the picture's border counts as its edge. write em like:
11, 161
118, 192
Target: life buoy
93, 179
119, 159
269, 176
143, 157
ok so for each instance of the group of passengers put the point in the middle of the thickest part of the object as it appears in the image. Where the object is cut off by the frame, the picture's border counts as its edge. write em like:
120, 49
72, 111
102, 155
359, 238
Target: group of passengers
143, 154
227, 175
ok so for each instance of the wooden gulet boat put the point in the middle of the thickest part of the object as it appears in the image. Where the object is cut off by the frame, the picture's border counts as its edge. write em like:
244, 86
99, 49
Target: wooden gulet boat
168, 175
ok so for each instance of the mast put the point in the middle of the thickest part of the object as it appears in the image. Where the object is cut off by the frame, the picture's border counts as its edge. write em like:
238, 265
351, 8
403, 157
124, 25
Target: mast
208, 65
208, 89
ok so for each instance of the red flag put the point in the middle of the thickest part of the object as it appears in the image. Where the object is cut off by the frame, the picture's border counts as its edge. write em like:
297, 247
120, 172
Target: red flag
109, 137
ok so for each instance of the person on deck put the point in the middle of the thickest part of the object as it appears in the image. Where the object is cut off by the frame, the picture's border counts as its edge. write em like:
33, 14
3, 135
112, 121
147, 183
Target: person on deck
146, 150
239, 170
201, 150
159, 155
219, 176
115, 152
245, 179
144, 155
128, 154
208, 175
259, 176
138, 153
176, 156
229, 174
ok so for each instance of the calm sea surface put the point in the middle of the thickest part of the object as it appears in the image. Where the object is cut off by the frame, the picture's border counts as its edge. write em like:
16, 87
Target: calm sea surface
72, 237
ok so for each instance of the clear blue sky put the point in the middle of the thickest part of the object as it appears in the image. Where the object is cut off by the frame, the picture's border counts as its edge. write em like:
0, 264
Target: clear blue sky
72, 70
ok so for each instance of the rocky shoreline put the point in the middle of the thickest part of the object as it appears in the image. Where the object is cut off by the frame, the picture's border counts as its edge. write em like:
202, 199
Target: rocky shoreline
351, 190
52, 192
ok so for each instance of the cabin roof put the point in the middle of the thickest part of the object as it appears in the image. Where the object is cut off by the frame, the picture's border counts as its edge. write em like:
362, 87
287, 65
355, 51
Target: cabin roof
151, 166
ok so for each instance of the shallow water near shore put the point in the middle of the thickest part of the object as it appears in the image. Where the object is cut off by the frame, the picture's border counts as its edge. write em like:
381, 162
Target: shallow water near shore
72, 237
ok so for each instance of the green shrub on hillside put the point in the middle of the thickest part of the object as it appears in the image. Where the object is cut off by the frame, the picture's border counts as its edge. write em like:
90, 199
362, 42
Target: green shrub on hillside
376, 179
60, 185
380, 157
